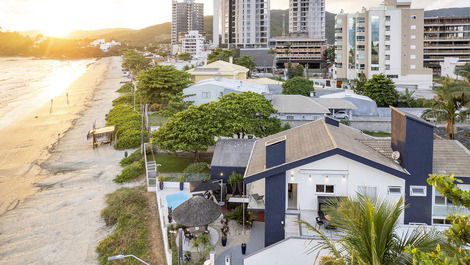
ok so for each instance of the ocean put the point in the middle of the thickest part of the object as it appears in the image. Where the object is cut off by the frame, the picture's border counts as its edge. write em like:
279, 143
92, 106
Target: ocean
27, 84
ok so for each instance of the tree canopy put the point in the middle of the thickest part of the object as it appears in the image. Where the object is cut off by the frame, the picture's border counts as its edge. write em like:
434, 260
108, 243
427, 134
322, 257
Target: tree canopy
298, 86
135, 61
162, 84
185, 56
220, 54
246, 61
358, 83
382, 90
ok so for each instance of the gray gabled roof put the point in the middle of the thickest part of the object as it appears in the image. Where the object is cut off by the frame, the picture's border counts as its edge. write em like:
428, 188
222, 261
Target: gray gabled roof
335, 103
232, 152
297, 104
315, 138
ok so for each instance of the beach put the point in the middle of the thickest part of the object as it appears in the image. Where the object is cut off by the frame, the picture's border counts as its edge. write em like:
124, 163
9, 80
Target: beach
52, 183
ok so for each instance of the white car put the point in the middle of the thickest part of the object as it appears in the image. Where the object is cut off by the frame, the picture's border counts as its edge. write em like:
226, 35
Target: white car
341, 115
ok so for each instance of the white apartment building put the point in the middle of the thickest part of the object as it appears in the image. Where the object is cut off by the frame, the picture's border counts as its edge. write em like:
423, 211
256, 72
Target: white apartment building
193, 43
186, 16
242, 23
307, 17
384, 40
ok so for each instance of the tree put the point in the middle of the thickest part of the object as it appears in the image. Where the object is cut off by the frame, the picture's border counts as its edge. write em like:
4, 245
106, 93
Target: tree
190, 130
299, 70
455, 250
246, 61
450, 105
358, 83
406, 100
382, 90
185, 56
245, 114
235, 180
220, 54
368, 233
203, 244
162, 84
135, 61
298, 86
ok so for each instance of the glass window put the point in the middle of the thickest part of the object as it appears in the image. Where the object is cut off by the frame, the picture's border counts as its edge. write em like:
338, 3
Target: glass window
375, 25
320, 188
439, 199
387, 67
290, 117
339, 65
412, 66
418, 191
330, 189
370, 192
206, 94
394, 190
387, 56
387, 28
361, 47
387, 18
339, 47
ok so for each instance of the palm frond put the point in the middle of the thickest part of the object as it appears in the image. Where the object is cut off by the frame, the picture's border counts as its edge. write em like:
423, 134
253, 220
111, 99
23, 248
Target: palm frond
324, 244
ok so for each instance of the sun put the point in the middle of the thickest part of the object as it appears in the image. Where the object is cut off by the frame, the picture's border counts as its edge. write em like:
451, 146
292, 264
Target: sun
56, 31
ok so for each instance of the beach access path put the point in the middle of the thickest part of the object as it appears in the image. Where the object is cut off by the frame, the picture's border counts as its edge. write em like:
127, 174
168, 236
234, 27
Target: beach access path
57, 219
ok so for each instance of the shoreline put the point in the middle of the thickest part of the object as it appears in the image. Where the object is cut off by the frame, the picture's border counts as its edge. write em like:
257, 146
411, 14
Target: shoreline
21, 156
60, 223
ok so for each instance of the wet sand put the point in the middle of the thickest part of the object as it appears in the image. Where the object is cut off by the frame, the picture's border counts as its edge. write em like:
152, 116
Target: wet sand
52, 194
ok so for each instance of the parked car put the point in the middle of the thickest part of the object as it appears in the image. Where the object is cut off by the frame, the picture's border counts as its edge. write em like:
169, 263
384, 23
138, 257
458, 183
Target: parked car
341, 115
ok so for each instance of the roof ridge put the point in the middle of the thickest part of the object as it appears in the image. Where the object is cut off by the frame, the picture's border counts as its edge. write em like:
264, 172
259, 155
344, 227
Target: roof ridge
335, 145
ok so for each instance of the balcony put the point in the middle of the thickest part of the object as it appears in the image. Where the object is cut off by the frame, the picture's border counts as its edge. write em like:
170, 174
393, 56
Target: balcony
445, 210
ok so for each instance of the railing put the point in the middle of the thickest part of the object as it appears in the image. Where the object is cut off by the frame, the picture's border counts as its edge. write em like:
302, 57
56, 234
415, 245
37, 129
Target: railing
150, 172
443, 210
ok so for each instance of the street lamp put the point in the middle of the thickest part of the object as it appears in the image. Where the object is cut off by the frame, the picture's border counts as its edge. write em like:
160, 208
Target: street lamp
118, 257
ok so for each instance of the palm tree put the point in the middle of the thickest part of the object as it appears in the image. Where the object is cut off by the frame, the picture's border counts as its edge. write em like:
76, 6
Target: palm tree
450, 105
367, 233
464, 72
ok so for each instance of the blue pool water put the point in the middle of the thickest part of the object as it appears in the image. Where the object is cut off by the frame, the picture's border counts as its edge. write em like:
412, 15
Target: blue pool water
175, 199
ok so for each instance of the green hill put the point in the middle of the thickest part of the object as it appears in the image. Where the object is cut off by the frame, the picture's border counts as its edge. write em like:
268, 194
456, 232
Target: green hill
161, 33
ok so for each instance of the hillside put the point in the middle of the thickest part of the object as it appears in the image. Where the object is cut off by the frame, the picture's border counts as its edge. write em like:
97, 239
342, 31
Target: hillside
448, 12
161, 33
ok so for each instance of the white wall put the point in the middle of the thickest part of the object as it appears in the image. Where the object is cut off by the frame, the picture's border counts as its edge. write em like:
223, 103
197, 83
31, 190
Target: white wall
335, 167
215, 92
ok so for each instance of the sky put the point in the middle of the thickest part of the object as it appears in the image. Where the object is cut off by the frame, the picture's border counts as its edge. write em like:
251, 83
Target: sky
60, 17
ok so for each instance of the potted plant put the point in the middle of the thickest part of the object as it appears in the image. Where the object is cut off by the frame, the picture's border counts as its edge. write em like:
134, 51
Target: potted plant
161, 179
182, 179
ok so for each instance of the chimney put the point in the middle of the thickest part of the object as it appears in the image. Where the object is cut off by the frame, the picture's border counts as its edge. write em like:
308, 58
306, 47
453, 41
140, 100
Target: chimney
230, 59
413, 138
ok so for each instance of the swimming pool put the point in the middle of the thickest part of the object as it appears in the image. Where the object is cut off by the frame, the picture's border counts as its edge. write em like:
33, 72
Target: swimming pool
175, 199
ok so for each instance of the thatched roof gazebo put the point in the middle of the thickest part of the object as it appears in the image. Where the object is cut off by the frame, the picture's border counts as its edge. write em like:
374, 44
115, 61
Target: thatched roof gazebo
197, 211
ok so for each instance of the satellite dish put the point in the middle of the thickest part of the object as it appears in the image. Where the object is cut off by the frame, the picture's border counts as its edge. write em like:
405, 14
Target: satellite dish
395, 155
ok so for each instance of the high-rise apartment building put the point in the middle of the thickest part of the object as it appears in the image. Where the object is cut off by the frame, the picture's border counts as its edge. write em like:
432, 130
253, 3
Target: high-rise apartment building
446, 37
307, 17
187, 16
193, 43
242, 23
384, 40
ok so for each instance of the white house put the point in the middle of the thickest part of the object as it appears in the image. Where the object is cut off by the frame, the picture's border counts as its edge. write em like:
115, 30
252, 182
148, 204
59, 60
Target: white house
210, 90
290, 176
104, 46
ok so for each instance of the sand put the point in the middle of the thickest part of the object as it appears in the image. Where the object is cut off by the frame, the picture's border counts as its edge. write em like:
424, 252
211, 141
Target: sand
52, 190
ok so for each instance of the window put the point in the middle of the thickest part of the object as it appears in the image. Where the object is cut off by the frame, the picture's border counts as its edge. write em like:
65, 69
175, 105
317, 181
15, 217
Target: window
387, 18
361, 56
412, 57
413, 17
290, 117
361, 20
361, 47
320, 188
413, 47
387, 47
206, 94
374, 68
419, 191
370, 192
412, 66
413, 27
387, 56
361, 38
413, 37
338, 38
339, 56
387, 37
339, 65
387, 67
362, 66
387, 28
394, 190
339, 47
441, 200
361, 29
439, 221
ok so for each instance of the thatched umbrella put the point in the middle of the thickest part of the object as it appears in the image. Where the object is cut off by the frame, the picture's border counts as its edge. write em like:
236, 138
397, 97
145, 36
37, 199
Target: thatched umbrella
197, 211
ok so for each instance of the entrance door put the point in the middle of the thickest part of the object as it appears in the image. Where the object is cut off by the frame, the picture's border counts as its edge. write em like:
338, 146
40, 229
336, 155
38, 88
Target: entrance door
292, 196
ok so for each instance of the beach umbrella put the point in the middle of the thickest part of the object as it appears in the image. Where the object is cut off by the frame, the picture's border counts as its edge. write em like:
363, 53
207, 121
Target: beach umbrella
197, 211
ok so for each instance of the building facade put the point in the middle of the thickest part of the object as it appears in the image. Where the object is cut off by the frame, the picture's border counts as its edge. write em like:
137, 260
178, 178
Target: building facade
242, 23
193, 43
307, 17
446, 37
384, 40
186, 16
298, 49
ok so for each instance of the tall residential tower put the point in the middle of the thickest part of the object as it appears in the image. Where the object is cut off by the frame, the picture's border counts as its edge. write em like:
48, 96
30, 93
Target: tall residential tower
187, 16
307, 17
383, 40
242, 23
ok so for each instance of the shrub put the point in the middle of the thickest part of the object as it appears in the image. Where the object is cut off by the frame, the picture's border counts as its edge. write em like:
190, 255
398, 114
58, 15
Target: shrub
128, 210
237, 215
121, 114
129, 139
199, 167
131, 172
126, 88
126, 99
135, 156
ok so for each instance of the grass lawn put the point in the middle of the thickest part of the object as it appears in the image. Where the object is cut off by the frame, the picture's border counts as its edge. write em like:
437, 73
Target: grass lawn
378, 134
171, 163
156, 120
